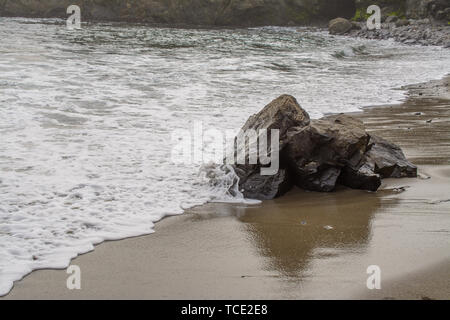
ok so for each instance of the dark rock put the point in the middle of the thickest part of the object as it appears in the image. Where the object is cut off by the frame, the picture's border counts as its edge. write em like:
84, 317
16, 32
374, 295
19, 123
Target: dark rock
256, 186
282, 114
402, 23
322, 178
319, 154
363, 178
348, 135
339, 26
356, 25
388, 159
391, 19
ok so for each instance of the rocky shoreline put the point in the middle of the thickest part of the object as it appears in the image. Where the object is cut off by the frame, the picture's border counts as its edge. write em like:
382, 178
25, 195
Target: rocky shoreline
413, 22
413, 32
422, 22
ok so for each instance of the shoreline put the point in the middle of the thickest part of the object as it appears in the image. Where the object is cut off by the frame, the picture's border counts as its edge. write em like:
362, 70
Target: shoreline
226, 248
422, 32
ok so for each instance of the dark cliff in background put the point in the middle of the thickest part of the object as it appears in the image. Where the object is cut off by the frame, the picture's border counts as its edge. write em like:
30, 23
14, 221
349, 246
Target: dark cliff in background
194, 12
219, 12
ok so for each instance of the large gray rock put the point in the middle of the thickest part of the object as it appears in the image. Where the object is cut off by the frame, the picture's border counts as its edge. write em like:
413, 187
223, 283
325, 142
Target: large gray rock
319, 154
388, 160
256, 186
360, 177
281, 114
339, 26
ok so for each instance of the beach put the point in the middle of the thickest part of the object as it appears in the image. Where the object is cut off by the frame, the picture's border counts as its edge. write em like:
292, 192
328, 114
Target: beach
304, 245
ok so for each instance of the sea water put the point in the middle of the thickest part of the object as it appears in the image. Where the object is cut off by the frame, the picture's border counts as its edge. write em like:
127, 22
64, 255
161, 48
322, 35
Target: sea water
86, 118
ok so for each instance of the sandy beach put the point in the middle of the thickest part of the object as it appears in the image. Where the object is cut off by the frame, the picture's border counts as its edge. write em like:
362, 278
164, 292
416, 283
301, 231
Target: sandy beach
305, 245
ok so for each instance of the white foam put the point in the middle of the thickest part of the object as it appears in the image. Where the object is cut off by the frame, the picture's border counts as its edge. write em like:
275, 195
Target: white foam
86, 118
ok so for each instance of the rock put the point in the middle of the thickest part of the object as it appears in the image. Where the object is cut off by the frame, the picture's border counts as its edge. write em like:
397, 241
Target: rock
362, 177
402, 23
348, 136
339, 26
319, 154
356, 25
316, 153
282, 114
323, 179
388, 160
391, 19
308, 165
256, 186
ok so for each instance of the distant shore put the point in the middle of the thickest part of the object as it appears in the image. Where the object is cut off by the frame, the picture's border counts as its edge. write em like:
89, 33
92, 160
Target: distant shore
244, 13
304, 245
412, 32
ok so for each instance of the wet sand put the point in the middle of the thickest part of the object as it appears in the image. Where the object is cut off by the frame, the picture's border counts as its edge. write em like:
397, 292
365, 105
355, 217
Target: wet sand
305, 245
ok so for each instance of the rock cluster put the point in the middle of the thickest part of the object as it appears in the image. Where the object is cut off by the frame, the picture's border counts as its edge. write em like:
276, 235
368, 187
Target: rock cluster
422, 22
319, 154
422, 32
